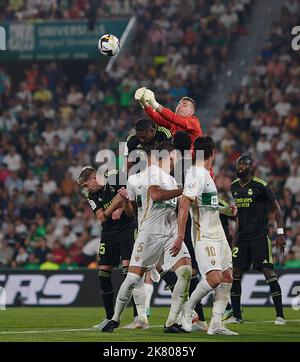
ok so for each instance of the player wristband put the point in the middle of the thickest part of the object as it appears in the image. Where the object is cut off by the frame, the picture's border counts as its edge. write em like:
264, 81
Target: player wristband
155, 105
280, 231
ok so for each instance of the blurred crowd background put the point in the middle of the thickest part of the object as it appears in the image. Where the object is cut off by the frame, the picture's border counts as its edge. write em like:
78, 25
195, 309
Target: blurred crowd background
51, 126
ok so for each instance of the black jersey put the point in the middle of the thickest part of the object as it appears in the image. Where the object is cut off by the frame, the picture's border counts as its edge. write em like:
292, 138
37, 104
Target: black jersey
102, 199
253, 202
162, 134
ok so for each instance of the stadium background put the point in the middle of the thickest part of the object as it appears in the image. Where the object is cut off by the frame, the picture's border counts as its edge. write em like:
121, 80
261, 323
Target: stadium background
58, 107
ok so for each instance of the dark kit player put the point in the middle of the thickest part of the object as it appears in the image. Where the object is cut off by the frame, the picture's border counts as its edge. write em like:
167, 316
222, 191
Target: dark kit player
146, 134
254, 199
117, 237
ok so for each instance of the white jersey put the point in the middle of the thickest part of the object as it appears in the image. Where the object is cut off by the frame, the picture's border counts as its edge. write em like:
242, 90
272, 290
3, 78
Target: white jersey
158, 217
134, 186
201, 189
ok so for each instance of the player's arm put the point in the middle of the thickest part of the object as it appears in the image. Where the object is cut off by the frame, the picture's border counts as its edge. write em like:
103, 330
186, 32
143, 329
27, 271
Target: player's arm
116, 215
105, 214
183, 211
280, 239
157, 194
193, 185
129, 205
226, 209
276, 210
157, 117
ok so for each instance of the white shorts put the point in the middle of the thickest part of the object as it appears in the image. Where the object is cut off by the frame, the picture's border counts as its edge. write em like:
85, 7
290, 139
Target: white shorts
213, 255
151, 249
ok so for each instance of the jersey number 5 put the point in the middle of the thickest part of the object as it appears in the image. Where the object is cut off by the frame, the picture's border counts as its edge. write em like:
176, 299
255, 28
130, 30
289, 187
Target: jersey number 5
102, 248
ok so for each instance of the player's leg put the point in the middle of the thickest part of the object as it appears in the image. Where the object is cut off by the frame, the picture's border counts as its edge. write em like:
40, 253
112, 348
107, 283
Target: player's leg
201, 325
235, 294
210, 278
168, 276
221, 297
241, 259
106, 260
124, 295
145, 252
272, 281
125, 243
148, 285
222, 293
183, 271
140, 320
107, 292
262, 259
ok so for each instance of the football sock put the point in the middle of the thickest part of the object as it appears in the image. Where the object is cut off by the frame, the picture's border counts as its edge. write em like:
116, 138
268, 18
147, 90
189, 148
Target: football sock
180, 293
149, 291
170, 279
202, 289
221, 297
198, 307
235, 293
124, 272
125, 294
139, 298
107, 292
276, 295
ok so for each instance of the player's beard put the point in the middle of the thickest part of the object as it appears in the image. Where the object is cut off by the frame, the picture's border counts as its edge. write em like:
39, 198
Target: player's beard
243, 174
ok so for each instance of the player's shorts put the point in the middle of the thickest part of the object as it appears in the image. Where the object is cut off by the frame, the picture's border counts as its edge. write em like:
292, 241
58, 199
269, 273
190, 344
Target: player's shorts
213, 255
116, 247
257, 252
151, 249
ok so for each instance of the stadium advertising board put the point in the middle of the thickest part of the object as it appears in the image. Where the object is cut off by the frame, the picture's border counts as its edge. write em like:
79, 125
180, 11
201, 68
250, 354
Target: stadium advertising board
56, 39
80, 288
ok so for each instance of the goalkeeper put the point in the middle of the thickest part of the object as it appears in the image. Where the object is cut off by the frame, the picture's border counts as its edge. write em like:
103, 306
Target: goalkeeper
182, 120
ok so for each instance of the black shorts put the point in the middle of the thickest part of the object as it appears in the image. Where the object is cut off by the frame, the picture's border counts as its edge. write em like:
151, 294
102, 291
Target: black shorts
256, 251
116, 247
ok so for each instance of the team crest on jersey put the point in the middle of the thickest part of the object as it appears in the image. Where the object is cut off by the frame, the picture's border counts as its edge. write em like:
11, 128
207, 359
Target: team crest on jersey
192, 185
250, 192
213, 262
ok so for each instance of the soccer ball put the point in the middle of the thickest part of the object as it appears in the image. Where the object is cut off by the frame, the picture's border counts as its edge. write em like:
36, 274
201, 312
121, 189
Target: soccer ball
109, 45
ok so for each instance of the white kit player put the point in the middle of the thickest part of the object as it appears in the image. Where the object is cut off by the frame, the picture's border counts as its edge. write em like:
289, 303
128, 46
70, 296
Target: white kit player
212, 251
157, 235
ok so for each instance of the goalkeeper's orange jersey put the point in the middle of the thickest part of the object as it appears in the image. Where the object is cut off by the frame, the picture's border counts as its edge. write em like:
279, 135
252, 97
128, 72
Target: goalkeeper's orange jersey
175, 122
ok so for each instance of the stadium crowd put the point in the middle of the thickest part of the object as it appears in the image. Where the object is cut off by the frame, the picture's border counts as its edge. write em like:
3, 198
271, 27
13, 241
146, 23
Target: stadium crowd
50, 128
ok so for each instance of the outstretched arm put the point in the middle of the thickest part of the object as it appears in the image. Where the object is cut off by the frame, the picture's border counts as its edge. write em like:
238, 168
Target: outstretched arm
157, 194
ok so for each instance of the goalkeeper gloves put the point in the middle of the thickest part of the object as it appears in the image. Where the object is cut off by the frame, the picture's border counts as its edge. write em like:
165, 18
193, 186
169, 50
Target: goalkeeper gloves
150, 99
139, 96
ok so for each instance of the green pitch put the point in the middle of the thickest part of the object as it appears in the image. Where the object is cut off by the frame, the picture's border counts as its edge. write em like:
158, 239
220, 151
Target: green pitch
74, 324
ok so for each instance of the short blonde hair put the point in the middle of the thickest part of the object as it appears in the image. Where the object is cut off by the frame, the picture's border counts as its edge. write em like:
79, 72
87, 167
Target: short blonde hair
85, 174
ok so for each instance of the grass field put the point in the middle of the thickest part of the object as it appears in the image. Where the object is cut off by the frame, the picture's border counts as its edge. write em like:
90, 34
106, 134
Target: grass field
74, 324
